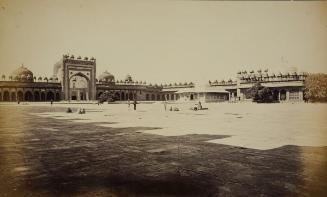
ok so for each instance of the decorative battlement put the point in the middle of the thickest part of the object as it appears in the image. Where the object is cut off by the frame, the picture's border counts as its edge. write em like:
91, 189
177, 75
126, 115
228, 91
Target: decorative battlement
179, 85
79, 60
222, 83
259, 76
29, 78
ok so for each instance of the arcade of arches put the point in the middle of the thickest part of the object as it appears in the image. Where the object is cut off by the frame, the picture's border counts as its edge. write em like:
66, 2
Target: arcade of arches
278, 94
124, 95
29, 95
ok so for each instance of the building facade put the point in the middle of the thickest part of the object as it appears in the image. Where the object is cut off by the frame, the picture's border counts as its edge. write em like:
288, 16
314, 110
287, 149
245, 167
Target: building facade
74, 79
285, 87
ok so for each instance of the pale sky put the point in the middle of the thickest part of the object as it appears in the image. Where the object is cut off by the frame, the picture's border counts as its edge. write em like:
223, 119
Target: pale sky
165, 41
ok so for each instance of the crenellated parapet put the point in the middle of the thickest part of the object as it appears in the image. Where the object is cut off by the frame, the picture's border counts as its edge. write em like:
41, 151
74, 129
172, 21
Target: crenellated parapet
79, 60
228, 82
266, 76
179, 85
23, 74
261, 76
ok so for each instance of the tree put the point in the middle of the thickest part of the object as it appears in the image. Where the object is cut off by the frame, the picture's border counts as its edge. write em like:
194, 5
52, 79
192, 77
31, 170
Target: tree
106, 96
316, 87
265, 95
252, 93
260, 94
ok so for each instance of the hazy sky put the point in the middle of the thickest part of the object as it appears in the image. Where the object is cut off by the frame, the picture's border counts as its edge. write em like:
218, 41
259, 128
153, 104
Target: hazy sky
164, 41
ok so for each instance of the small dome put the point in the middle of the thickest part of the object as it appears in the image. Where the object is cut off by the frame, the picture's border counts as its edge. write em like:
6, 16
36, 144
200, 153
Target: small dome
23, 73
106, 76
128, 78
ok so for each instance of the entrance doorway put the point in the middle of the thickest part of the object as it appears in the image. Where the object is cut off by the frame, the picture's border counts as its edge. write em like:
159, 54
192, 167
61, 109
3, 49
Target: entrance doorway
79, 87
283, 95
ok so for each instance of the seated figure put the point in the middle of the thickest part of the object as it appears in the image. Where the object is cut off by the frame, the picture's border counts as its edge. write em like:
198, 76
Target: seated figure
69, 110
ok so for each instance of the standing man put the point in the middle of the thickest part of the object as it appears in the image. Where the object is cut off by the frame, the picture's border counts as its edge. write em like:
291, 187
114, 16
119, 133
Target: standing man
51, 102
134, 103
165, 103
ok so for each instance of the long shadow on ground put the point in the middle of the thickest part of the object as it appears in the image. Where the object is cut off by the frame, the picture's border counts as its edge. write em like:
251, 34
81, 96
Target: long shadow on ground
85, 159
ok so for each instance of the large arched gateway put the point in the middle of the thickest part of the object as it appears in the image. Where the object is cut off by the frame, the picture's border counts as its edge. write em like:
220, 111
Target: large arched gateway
79, 88
77, 78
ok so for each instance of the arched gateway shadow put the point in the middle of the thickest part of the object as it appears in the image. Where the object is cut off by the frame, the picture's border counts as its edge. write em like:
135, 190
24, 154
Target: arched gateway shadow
73, 158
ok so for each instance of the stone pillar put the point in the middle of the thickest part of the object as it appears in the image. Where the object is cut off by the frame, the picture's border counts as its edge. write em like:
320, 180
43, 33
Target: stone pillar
287, 95
238, 93
33, 95
300, 95
78, 96
279, 95
87, 96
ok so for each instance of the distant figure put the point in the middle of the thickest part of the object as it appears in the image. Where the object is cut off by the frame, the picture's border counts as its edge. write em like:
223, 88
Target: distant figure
129, 104
176, 109
171, 108
134, 103
18, 102
81, 111
165, 105
69, 110
200, 105
51, 102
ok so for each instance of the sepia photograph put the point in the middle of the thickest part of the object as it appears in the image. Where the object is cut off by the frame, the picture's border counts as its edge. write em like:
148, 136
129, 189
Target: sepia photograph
165, 98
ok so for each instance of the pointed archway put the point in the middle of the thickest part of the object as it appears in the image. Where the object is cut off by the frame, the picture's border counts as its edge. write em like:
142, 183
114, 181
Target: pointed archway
28, 96
6, 96
50, 96
79, 87
20, 96
13, 96
36, 96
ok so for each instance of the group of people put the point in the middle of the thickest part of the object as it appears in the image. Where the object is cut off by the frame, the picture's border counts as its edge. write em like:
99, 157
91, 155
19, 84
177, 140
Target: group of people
80, 111
171, 107
198, 106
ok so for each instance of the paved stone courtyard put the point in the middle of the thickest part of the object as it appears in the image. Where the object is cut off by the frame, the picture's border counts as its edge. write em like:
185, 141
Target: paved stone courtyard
47, 156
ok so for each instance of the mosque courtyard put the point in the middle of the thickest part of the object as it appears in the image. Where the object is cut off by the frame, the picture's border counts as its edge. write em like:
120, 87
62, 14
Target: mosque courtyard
231, 149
